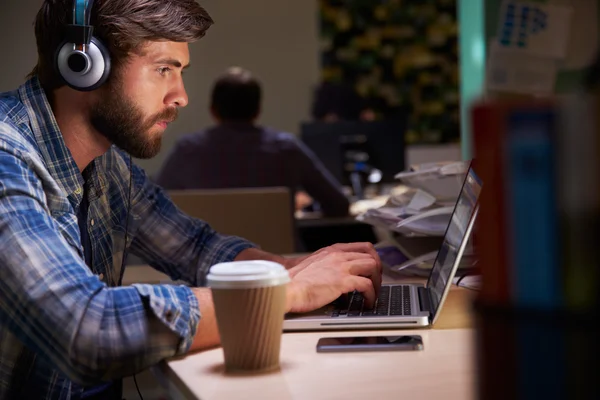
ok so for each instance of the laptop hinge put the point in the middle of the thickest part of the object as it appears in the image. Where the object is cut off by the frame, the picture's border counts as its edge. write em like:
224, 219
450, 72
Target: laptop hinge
424, 299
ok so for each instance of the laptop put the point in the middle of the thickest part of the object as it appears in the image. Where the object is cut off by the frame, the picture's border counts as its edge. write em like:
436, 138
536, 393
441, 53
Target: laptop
404, 305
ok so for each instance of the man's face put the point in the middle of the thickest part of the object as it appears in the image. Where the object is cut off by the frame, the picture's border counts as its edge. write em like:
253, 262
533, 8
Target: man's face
141, 98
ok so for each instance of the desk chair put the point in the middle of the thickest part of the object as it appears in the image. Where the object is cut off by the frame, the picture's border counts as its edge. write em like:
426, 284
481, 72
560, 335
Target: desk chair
262, 215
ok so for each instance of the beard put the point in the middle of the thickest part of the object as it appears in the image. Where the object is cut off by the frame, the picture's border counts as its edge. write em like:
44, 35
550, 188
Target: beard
123, 123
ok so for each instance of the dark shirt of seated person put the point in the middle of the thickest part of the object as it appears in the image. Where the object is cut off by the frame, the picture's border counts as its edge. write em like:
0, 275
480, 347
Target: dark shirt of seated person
72, 204
238, 153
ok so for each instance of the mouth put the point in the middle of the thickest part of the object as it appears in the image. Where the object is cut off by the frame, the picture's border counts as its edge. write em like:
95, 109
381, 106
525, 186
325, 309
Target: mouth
163, 124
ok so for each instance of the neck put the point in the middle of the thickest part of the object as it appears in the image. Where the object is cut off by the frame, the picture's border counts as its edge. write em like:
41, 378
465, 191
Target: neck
237, 123
71, 110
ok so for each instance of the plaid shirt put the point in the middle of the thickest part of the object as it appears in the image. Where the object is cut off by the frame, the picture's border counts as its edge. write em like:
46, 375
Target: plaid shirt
64, 324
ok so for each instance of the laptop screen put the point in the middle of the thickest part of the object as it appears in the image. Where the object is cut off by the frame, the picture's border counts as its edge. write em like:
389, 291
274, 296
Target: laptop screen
455, 238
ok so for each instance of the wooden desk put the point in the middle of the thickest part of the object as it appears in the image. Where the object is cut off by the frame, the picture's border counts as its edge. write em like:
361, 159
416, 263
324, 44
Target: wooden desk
443, 370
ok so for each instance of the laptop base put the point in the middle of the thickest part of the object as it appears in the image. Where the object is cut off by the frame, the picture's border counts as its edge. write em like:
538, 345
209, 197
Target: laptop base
322, 319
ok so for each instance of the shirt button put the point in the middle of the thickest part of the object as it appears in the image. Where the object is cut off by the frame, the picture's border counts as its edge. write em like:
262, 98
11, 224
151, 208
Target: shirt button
169, 316
78, 191
92, 222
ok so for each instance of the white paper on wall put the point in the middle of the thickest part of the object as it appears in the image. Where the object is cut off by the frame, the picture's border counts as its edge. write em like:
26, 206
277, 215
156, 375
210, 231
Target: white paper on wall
513, 71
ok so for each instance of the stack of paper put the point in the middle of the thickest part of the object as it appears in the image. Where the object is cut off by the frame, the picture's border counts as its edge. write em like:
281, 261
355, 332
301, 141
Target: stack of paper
407, 220
425, 203
442, 180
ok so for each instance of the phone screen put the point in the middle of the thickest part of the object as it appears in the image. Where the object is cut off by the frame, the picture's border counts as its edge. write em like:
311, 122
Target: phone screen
370, 343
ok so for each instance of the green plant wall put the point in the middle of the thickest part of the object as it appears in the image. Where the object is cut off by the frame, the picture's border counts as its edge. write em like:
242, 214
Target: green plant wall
401, 56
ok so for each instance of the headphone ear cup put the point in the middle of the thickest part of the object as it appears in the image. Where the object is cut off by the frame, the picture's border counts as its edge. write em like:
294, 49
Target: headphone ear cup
83, 71
106, 61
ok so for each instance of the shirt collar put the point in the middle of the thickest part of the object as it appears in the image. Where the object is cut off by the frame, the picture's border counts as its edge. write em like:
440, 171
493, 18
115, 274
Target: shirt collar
59, 161
239, 126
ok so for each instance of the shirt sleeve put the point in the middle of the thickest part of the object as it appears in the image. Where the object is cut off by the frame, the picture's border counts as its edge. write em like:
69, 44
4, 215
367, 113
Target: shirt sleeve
174, 243
318, 182
52, 302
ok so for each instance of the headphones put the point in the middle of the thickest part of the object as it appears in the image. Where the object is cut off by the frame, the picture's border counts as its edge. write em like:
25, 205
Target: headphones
82, 61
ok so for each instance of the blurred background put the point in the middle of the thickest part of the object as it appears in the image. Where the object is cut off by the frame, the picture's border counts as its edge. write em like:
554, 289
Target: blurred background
398, 56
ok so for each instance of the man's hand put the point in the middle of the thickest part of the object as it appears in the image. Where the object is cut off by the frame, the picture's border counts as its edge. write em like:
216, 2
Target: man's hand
295, 265
302, 200
324, 276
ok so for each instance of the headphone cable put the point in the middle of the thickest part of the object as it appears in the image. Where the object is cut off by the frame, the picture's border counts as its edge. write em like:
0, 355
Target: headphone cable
137, 388
125, 246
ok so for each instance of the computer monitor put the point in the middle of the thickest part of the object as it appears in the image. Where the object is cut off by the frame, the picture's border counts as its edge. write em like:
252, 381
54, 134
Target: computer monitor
343, 146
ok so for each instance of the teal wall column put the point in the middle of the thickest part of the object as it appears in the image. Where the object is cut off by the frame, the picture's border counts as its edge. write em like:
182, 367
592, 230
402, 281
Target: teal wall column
471, 18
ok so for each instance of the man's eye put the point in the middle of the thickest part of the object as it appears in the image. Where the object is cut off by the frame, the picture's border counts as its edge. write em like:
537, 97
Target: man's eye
163, 70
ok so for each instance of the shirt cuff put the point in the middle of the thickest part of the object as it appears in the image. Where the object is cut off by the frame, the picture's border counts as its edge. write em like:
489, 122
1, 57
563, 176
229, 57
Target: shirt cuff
221, 248
176, 307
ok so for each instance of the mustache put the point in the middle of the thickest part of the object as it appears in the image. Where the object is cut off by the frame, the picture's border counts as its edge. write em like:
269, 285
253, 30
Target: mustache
169, 115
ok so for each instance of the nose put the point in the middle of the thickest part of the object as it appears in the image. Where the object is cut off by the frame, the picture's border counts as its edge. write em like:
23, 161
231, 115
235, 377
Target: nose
179, 97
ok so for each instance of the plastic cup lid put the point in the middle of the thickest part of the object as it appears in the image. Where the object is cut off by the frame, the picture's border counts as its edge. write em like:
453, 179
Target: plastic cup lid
247, 274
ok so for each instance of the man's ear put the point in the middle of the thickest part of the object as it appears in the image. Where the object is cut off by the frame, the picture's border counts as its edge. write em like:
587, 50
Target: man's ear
257, 115
215, 114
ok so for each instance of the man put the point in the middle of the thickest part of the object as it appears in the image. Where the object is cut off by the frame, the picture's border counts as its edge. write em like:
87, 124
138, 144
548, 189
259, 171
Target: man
240, 154
72, 205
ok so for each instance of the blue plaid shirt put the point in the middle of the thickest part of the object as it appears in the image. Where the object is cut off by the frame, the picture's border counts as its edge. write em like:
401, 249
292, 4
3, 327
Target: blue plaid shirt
63, 325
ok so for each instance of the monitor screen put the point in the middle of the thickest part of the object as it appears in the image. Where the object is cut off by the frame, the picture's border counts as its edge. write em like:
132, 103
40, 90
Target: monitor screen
457, 234
378, 144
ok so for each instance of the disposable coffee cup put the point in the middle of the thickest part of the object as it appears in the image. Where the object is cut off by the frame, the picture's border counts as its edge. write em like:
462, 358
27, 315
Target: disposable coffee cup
250, 300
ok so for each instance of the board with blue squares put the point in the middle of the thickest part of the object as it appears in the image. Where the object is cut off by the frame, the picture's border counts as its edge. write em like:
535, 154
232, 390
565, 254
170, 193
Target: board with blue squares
537, 29
520, 21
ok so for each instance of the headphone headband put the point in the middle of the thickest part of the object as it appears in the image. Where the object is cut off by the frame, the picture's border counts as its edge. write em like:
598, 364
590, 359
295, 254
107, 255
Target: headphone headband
82, 11
81, 31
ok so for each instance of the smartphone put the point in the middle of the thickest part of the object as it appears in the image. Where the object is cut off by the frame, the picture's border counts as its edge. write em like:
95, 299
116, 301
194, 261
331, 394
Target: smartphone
370, 343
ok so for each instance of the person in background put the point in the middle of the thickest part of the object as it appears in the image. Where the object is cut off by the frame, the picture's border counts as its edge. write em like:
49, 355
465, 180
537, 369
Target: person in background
73, 205
239, 153
339, 102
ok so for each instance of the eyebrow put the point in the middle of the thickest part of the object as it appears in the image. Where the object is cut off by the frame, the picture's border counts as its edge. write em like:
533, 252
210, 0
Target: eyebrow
173, 62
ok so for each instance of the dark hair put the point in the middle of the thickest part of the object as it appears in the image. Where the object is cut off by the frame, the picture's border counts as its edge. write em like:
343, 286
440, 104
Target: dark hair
122, 25
236, 96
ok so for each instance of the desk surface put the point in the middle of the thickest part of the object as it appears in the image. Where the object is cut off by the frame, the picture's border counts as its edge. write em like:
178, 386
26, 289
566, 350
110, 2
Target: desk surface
444, 369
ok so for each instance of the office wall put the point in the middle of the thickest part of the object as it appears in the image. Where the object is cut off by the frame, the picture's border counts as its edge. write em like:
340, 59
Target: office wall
17, 41
276, 39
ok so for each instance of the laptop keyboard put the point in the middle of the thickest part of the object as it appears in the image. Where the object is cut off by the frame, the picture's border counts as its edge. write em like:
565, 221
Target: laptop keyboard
393, 300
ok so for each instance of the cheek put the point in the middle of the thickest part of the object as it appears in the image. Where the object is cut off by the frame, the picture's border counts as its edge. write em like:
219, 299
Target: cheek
146, 103
146, 94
